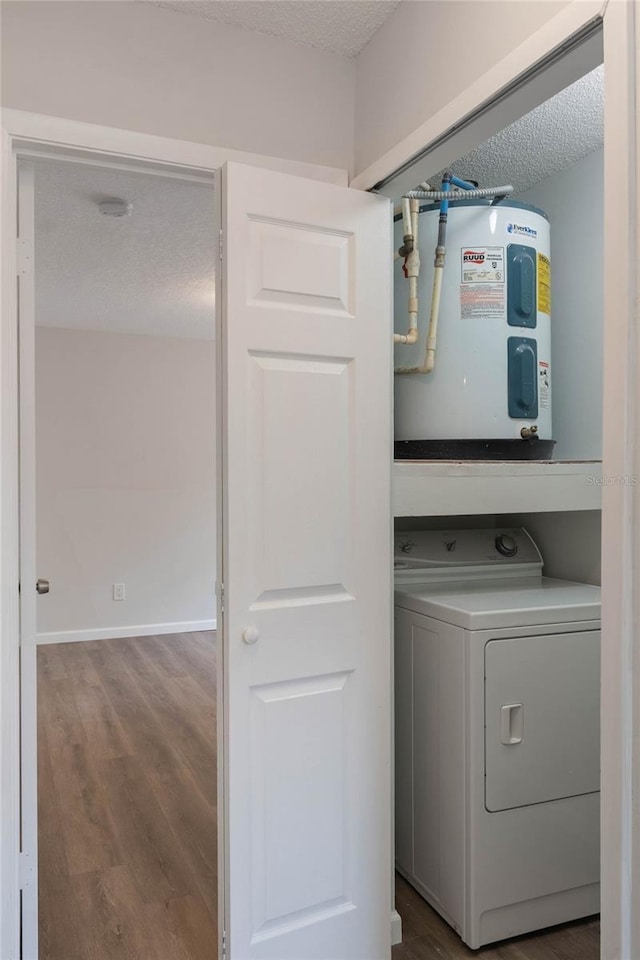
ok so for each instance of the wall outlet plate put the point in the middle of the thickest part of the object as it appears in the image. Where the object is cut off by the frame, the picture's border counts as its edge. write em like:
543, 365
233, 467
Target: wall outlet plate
118, 591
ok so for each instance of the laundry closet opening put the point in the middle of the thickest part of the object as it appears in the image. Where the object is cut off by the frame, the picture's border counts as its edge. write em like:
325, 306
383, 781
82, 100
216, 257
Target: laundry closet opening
498, 478
125, 551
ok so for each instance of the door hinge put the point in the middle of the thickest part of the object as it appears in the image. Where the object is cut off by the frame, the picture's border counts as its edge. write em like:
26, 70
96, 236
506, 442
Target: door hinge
221, 596
24, 257
220, 242
224, 945
25, 870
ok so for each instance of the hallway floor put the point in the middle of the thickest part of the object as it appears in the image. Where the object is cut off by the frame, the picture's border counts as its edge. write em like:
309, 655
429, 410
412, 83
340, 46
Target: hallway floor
127, 799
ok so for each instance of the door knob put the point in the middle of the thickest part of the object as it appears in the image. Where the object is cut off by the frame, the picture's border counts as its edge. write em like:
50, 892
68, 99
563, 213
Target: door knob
250, 635
42, 586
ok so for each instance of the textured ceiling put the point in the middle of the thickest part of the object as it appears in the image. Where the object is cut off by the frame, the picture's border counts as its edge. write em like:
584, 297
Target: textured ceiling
340, 26
553, 136
149, 273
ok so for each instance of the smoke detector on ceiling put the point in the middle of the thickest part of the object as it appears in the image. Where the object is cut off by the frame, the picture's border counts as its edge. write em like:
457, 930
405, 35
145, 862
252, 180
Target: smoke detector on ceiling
115, 207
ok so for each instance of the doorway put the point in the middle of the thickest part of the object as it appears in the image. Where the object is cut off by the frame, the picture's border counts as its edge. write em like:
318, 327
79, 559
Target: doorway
308, 237
470, 491
125, 542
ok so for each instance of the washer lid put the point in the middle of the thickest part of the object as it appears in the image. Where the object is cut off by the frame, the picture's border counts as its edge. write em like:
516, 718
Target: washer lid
488, 604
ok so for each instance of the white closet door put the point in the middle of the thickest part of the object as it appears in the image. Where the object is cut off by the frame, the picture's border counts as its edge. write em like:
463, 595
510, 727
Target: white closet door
304, 331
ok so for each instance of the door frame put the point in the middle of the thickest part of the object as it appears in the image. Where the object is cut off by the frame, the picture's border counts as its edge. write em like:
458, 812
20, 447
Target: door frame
26, 135
621, 540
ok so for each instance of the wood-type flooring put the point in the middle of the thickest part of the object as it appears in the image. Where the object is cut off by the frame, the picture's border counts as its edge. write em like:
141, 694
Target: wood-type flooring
127, 799
127, 813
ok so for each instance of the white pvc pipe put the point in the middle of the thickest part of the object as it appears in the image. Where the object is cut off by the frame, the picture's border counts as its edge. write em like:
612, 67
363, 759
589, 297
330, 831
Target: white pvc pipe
429, 360
412, 268
406, 216
432, 333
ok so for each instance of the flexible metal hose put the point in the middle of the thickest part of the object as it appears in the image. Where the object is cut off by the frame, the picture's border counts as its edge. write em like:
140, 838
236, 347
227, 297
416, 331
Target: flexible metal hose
453, 195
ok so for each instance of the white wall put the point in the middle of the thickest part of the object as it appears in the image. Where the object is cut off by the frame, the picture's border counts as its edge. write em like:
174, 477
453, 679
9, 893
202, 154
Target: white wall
139, 67
570, 542
125, 479
574, 201
427, 53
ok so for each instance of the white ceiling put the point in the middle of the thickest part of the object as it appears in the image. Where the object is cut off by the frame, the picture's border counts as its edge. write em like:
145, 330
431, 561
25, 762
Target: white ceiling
552, 137
339, 26
149, 273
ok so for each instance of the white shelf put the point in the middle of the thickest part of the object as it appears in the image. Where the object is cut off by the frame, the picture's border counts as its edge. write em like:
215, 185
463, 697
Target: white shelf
438, 488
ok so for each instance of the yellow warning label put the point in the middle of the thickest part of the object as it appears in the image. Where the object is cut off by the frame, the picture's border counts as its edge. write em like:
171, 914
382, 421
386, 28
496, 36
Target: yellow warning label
544, 284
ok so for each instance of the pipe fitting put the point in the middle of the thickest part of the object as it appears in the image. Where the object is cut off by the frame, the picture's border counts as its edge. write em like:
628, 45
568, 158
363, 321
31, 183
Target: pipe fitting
412, 265
529, 433
440, 257
407, 246
407, 338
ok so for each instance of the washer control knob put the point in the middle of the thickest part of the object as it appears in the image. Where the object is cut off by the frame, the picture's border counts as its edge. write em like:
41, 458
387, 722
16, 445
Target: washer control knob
506, 545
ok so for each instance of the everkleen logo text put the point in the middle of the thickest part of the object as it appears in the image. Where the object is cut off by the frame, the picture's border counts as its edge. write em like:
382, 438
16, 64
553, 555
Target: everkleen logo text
523, 231
472, 256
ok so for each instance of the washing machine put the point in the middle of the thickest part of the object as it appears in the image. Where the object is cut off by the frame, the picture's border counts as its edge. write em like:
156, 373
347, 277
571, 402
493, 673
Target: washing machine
497, 733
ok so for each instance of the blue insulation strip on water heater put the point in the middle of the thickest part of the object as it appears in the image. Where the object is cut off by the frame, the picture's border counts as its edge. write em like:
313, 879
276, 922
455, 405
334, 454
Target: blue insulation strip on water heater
522, 310
522, 378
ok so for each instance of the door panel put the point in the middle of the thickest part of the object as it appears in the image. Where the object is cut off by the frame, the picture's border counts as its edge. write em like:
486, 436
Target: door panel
300, 787
542, 725
293, 265
305, 362
300, 555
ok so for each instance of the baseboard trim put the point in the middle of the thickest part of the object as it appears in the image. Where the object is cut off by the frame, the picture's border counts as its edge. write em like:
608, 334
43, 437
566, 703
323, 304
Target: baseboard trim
113, 633
396, 928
